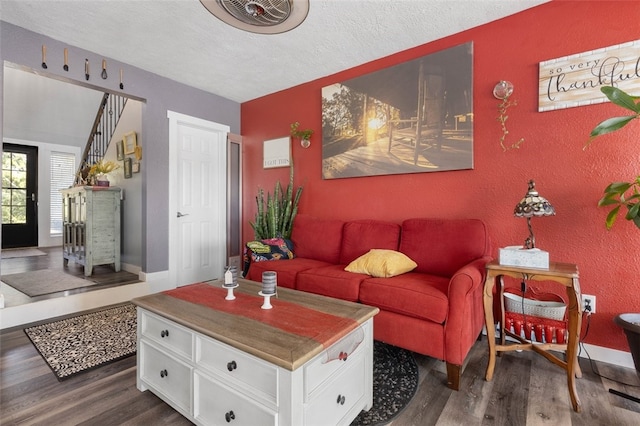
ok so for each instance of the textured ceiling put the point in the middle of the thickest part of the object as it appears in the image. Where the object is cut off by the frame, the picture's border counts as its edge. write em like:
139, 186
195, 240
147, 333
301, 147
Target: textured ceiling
181, 40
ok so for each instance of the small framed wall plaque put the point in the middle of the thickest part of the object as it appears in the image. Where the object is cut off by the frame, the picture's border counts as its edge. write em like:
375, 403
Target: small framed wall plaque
130, 143
120, 150
277, 153
128, 168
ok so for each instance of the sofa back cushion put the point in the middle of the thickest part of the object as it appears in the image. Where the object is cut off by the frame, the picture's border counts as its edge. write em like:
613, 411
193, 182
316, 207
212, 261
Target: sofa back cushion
315, 238
442, 246
360, 236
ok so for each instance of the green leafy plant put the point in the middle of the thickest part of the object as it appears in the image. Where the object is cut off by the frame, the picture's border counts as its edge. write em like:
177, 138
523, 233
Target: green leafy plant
620, 194
275, 215
302, 134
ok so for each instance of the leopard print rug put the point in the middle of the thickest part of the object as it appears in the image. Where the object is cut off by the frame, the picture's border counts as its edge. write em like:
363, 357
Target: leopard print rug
77, 344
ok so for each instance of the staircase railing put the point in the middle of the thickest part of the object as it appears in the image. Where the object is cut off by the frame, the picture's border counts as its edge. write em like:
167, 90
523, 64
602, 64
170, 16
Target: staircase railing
105, 123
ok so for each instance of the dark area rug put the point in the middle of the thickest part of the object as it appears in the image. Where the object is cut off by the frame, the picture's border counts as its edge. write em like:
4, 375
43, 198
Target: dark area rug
80, 343
395, 381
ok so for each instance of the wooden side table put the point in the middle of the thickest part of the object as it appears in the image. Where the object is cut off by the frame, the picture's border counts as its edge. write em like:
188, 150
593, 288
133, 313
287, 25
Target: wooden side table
565, 274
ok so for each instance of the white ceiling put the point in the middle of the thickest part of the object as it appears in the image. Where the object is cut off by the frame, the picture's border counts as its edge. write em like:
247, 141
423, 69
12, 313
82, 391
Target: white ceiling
181, 40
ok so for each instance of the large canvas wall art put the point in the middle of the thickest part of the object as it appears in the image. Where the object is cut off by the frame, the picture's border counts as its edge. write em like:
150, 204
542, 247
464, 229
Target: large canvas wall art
414, 117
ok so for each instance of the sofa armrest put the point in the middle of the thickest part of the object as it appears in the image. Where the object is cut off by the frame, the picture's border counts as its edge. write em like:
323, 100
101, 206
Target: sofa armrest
466, 310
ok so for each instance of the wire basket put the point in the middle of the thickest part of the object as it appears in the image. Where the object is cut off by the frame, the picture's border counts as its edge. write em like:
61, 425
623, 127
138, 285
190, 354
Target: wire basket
538, 308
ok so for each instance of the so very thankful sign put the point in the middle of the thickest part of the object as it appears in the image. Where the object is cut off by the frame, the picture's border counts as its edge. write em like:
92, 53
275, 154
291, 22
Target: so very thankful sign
576, 80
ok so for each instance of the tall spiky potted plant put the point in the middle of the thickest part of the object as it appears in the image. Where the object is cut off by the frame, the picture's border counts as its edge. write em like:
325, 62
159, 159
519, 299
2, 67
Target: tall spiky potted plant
275, 215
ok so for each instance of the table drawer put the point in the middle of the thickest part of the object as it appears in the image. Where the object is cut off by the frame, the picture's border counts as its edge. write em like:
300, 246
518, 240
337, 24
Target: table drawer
335, 358
216, 404
166, 375
257, 376
341, 395
166, 333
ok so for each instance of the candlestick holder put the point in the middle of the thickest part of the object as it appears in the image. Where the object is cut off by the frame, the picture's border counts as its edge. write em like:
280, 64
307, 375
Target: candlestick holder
230, 295
267, 300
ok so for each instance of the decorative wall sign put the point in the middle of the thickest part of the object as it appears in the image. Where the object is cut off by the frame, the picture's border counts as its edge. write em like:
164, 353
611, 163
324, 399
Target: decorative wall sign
277, 153
413, 117
576, 80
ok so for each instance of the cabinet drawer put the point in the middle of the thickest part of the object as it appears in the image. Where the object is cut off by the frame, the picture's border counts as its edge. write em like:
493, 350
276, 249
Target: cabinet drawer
335, 358
343, 393
166, 333
233, 366
167, 376
216, 404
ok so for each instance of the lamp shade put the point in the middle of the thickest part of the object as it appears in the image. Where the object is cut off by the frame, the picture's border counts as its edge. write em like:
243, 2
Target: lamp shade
533, 204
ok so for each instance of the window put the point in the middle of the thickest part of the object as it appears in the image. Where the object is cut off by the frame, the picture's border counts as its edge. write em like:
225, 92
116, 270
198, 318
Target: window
63, 166
14, 188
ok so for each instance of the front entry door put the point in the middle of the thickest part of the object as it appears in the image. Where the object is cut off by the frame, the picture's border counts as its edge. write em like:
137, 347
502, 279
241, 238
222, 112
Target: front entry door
197, 199
19, 196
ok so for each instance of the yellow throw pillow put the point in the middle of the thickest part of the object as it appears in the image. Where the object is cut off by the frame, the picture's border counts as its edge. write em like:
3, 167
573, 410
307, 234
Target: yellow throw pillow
381, 264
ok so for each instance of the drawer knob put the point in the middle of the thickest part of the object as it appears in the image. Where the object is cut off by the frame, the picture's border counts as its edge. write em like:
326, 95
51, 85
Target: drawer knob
232, 365
163, 373
340, 399
164, 333
343, 356
229, 416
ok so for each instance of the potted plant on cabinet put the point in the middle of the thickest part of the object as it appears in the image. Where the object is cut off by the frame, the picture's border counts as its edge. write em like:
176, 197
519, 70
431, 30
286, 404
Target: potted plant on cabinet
98, 174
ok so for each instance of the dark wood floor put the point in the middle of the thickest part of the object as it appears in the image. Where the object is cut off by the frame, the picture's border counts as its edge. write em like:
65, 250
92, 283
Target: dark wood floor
104, 275
526, 389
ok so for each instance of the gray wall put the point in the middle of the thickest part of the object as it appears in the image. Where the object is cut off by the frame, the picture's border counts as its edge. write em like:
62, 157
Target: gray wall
160, 94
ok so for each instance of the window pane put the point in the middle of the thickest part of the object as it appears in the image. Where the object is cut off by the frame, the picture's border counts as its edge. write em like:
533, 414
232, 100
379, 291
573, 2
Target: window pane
19, 197
18, 161
6, 178
19, 179
6, 197
18, 214
6, 214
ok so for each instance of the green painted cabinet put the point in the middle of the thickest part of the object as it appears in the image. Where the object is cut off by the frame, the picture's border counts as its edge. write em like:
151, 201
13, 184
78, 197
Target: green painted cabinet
91, 228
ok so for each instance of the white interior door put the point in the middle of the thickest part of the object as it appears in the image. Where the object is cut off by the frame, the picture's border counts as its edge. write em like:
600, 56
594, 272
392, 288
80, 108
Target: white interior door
197, 199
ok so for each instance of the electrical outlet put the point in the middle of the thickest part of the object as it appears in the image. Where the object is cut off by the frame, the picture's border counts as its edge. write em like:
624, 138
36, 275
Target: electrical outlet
589, 301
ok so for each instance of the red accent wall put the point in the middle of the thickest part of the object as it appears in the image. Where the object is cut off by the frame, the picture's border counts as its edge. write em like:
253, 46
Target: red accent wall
571, 178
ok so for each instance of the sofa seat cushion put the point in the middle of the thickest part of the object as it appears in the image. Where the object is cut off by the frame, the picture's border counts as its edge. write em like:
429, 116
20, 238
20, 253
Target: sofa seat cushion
414, 294
286, 270
332, 281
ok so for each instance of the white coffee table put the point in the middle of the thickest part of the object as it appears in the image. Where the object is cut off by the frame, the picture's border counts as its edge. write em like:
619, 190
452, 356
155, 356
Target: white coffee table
307, 361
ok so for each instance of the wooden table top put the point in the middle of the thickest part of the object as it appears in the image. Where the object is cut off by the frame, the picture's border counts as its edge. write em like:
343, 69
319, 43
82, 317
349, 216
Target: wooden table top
248, 333
555, 269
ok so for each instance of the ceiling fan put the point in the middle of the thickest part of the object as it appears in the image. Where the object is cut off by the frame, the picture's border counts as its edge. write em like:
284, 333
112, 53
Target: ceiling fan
259, 16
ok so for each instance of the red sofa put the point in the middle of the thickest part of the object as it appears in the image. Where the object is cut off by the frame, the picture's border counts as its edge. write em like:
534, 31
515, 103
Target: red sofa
436, 309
